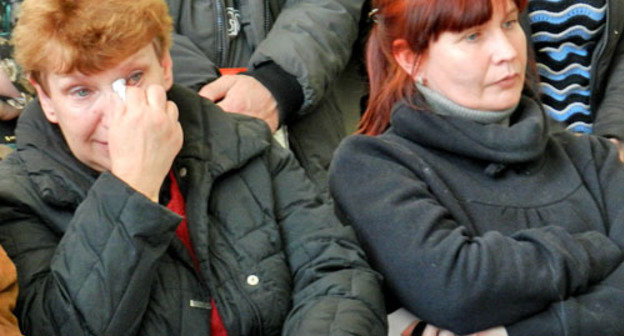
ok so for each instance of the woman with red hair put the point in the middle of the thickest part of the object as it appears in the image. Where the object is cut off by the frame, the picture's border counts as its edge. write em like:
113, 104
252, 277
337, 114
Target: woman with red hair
478, 217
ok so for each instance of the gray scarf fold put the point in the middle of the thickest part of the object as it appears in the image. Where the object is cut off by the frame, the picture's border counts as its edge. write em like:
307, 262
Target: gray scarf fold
441, 105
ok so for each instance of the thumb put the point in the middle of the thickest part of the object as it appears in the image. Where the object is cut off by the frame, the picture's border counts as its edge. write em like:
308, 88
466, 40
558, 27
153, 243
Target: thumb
229, 104
217, 89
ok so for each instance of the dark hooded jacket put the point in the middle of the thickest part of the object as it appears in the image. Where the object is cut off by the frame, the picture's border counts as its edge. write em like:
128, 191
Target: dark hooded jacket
476, 226
94, 257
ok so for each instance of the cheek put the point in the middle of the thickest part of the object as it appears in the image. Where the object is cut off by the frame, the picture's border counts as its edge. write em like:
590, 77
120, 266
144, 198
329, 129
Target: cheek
458, 72
78, 125
461, 82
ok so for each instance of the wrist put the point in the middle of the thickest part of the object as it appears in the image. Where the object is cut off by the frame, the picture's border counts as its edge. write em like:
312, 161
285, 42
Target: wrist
139, 184
283, 86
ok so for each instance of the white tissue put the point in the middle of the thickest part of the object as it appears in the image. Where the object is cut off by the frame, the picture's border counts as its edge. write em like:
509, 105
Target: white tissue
119, 86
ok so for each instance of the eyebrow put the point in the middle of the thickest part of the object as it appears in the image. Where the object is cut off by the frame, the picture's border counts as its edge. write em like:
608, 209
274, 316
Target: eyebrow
68, 83
138, 61
512, 11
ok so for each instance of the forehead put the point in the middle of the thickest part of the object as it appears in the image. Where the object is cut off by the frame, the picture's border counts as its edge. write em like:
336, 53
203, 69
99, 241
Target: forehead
143, 58
503, 7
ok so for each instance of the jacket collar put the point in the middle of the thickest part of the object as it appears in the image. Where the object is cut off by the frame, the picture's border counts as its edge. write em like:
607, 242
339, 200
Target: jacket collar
225, 141
523, 141
60, 178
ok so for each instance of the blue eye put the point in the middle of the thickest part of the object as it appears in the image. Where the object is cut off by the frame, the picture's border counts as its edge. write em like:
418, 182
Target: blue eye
510, 23
134, 78
81, 92
472, 37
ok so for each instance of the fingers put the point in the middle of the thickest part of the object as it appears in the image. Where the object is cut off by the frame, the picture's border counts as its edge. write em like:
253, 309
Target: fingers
172, 111
620, 148
217, 89
432, 330
156, 97
233, 105
445, 333
408, 331
8, 112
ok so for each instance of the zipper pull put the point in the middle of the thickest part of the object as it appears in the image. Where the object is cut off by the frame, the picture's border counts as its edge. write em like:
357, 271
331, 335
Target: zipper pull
200, 304
233, 22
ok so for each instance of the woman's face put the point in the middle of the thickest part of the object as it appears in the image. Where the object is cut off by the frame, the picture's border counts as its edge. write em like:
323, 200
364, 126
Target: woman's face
82, 105
482, 67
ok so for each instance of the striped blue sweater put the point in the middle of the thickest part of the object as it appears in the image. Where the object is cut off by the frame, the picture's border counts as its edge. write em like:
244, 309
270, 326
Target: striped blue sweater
565, 35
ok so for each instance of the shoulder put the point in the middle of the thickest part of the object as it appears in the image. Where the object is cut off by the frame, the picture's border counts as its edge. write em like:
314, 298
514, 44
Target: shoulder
205, 124
195, 109
14, 178
357, 150
365, 162
17, 190
585, 150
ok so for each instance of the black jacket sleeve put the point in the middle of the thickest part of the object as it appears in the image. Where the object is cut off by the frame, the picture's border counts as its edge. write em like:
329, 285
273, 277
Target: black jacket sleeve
598, 310
191, 67
335, 291
609, 119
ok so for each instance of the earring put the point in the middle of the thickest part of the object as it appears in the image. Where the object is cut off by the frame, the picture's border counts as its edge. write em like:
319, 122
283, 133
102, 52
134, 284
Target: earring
419, 79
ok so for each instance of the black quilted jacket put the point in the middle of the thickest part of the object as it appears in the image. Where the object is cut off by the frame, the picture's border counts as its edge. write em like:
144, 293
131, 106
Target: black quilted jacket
94, 257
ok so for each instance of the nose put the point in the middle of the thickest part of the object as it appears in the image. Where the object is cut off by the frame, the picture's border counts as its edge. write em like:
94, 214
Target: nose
503, 48
106, 104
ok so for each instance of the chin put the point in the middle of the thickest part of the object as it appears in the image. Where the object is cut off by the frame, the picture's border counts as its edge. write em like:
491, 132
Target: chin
504, 102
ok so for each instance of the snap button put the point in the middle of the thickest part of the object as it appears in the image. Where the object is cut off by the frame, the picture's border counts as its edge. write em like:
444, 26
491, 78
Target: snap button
252, 280
183, 171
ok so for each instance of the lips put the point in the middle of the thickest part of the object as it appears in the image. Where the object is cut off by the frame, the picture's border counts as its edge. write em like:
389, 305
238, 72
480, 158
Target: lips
101, 143
508, 81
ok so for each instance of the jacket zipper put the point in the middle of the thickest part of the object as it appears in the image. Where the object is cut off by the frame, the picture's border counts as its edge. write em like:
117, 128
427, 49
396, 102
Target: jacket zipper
267, 17
221, 31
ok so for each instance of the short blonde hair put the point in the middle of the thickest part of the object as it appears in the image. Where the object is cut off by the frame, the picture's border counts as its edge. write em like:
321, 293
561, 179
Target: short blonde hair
62, 36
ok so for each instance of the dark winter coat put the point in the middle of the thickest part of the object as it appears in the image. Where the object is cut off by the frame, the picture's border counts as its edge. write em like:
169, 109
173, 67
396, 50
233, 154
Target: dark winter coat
476, 226
94, 257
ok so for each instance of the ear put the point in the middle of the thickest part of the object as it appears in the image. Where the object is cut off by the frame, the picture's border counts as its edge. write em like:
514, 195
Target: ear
46, 102
406, 58
167, 64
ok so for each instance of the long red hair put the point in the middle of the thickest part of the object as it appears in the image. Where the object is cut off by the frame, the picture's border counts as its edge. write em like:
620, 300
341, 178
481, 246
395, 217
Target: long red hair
418, 22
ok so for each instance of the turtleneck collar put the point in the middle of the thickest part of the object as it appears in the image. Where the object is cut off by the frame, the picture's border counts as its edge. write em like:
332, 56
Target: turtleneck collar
522, 141
442, 105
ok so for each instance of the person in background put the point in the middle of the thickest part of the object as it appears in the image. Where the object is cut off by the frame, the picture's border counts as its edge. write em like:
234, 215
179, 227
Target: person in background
580, 60
133, 206
480, 219
292, 53
15, 90
8, 296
